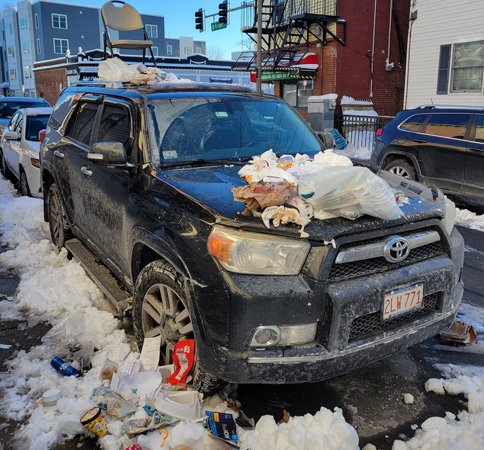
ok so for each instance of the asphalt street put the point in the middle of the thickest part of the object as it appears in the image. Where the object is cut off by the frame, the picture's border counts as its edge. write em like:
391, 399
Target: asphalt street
371, 397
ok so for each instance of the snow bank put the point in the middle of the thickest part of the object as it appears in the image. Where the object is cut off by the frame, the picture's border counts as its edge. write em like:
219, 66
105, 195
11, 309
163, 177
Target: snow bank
346, 100
325, 430
469, 219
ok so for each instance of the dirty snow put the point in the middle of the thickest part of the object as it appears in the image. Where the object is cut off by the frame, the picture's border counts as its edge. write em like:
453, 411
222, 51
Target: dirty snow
470, 219
52, 288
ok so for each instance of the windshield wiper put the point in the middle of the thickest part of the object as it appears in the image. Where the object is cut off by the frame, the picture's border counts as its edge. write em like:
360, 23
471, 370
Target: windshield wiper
205, 162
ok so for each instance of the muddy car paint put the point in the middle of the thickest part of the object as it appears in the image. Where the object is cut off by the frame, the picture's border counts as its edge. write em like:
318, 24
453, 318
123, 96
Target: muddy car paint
141, 212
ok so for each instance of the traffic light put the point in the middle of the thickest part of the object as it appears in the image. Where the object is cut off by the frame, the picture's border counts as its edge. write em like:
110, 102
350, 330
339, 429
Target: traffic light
222, 11
199, 20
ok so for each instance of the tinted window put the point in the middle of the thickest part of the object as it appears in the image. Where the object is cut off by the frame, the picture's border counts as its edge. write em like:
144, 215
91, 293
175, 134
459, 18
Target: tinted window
479, 128
114, 125
14, 120
80, 125
413, 123
7, 109
448, 125
34, 125
61, 108
19, 125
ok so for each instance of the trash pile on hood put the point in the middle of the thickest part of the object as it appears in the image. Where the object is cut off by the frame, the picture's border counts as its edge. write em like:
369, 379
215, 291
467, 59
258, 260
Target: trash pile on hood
139, 404
295, 189
116, 70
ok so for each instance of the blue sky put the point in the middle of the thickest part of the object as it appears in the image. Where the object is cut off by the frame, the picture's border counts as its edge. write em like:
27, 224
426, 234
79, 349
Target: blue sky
180, 20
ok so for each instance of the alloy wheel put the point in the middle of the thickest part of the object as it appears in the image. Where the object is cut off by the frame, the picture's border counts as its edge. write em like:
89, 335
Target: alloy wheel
401, 171
56, 222
164, 313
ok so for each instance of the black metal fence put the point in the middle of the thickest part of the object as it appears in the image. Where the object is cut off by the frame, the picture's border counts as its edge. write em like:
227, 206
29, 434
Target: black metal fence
360, 130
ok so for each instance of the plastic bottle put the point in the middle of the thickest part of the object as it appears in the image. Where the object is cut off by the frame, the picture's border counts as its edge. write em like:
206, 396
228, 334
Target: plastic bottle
63, 368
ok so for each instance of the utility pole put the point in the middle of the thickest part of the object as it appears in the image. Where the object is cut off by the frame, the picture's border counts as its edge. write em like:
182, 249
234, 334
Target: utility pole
259, 46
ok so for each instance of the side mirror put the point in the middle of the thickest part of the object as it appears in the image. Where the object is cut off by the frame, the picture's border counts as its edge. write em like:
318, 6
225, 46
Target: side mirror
112, 153
12, 136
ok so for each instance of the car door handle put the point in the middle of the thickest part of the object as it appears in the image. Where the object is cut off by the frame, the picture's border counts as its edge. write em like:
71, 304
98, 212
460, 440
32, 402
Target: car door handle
418, 141
86, 171
58, 154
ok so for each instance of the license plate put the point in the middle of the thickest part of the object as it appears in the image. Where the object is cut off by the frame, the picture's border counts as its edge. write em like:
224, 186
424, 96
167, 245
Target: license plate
402, 301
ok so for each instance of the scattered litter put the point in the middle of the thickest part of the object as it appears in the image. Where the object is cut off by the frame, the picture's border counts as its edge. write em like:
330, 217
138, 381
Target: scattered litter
183, 357
186, 405
150, 353
258, 196
50, 397
460, 333
138, 384
286, 415
95, 421
222, 426
408, 399
108, 370
115, 404
4, 346
63, 368
281, 214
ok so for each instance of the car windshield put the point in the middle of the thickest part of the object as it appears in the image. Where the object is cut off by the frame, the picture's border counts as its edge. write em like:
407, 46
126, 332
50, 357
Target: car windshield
224, 128
7, 109
34, 125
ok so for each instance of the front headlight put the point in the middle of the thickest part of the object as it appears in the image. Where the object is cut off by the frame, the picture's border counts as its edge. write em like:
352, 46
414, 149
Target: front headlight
257, 254
449, 217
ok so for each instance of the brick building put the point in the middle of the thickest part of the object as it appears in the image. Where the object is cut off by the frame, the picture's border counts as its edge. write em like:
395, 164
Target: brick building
334, 46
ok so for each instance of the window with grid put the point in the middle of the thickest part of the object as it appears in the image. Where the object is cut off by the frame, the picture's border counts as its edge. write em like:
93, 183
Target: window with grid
61, 46
59, 21
169, 50
27, 72
12, 74
297, 93
155, 50
468, 67
152, 30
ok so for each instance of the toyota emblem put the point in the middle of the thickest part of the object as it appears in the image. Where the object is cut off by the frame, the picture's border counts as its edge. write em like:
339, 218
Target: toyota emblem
396, 249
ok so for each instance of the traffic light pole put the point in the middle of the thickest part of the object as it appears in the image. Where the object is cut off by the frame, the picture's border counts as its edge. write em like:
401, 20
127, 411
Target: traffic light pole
259, 46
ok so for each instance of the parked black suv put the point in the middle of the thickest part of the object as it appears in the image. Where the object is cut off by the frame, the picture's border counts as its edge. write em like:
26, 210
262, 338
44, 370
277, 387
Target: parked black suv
142, 179
441, 146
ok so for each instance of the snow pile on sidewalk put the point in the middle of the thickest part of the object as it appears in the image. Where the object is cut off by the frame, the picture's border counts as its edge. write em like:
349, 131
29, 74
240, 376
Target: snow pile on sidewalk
462, 432
469, 219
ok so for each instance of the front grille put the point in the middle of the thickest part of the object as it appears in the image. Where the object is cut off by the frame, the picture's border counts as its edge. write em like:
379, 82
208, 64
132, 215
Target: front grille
373, 323
355, 269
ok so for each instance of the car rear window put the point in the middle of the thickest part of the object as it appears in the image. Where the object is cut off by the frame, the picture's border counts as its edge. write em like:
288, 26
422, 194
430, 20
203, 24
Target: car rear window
61, 108
479, 129
448, 125
34, 125
414, 123
8, 109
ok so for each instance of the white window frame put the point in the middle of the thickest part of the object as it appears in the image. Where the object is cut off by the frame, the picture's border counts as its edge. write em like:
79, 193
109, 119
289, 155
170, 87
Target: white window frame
169, 49
11, 47
60, 39
155, 50
59, 21
149, 29
452, 68
23, 23
36, 20
29, 71
14, 71
38, 46
25, 51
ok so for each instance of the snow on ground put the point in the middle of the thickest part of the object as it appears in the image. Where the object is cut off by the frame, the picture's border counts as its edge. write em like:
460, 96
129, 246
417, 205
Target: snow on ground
470, 219
355, 152
52, 289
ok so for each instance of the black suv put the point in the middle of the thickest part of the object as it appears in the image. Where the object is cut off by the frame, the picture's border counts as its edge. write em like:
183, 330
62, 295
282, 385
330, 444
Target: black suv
441, 146
138, 181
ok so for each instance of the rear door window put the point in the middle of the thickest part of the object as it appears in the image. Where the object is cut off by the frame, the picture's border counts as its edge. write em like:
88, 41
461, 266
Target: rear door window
115, 125
448, 125
414, 123
479, 128
81, 123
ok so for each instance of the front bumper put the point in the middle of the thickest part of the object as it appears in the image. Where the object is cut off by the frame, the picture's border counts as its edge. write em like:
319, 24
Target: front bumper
337, 349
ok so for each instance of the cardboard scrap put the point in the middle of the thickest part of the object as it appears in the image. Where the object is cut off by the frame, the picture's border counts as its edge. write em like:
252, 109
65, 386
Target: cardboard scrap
460, 333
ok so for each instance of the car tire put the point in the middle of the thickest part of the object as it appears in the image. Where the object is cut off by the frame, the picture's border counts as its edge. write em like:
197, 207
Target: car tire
402, 168
24, 184
59, 232
160, 307
3, 166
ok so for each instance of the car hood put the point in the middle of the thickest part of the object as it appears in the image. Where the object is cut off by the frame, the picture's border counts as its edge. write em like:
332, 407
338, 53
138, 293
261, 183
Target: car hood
211, 187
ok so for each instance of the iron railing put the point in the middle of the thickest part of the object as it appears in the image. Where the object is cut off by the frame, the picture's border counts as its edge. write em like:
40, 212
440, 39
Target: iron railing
360, 130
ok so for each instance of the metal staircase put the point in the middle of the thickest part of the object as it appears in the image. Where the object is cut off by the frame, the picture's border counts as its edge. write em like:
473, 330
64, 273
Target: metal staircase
287, 27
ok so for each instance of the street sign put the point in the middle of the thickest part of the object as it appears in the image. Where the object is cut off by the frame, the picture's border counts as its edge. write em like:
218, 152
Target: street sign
218, 26
275, 76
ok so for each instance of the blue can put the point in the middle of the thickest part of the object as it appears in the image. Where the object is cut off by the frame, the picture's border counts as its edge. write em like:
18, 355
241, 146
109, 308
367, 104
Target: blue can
63, 368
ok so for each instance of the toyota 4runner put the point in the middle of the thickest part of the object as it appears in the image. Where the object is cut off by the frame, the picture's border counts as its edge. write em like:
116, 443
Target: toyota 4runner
137, 185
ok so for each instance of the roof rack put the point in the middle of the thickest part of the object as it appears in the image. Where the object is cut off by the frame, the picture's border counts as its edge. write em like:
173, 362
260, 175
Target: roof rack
441, 106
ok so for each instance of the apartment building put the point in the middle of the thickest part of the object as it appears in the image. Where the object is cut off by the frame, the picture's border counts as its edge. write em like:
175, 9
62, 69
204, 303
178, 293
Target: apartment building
41, 30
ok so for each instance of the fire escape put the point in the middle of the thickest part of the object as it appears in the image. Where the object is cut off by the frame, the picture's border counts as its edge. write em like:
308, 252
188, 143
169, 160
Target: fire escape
288, 29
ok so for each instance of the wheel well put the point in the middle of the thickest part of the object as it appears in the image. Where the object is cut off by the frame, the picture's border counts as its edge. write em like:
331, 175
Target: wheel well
47, 182
142, 255
395, 156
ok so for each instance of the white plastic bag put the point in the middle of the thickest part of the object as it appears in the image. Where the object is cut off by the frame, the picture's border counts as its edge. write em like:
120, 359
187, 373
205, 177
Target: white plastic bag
114, 69
348, 192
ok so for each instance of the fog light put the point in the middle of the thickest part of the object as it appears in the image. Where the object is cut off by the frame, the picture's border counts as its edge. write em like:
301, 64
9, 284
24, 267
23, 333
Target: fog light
266, 336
